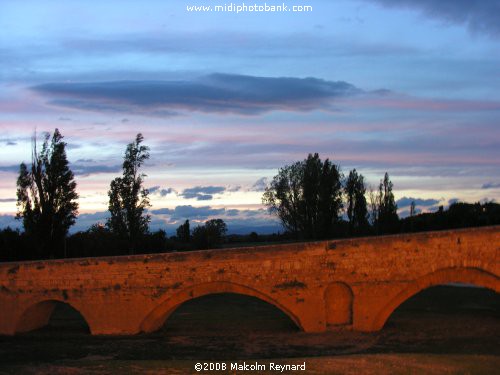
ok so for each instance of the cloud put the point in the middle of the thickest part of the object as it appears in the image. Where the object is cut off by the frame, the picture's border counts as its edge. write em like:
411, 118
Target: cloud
491, 185
78, 169
215, 93
154, 189
260, 184
238, 221
9, 168
190, 212
406, 201
477, 16
85, 221
164, 192
453, 200
7, 200
159, 191
202, 193
10, 141
86, 170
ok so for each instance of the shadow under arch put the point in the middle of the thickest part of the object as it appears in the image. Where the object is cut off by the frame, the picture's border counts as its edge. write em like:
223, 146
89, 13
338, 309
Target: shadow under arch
38, 314
474, 276
155, 319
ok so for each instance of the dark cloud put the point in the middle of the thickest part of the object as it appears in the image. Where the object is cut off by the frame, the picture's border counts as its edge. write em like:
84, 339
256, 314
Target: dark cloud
478, 16
251, 213
202, 197
9, 168
78, 169
11, 143
86, 170
190, 212
233, 212
162, 192
491, 185
453, 200
220, 93
7, 200
260, 184
296, 45
206, 212
406, 201
73, 146
202, 193
238, 221
154, 189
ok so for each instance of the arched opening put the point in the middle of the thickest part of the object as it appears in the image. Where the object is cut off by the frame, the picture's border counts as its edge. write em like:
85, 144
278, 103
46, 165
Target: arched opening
52, 316
452, 318
227, 314
467, 276
159, 315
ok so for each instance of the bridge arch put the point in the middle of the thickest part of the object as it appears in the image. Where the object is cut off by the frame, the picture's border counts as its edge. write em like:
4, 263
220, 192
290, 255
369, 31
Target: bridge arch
37, 314
474, 276
155, 319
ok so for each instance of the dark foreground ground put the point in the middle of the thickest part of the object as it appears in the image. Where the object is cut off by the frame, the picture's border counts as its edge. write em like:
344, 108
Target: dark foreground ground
443, 330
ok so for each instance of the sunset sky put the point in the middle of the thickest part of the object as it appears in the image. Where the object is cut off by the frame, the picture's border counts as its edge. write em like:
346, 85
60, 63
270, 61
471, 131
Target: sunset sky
224, 99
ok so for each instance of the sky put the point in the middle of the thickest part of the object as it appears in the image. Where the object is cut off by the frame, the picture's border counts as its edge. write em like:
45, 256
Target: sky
224, 99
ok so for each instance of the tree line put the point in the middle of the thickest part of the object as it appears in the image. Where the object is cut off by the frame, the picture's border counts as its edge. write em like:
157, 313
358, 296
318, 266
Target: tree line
47, 204
312, 198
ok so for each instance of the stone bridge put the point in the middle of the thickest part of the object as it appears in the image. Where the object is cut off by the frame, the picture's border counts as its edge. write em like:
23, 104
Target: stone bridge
354, 283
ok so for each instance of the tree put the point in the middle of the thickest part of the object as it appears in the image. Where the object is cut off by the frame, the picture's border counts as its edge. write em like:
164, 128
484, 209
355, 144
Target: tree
183, 232
210, 235
357, 211
412, 209
387, 209
373, 206
46, 196
307, 197
128, 199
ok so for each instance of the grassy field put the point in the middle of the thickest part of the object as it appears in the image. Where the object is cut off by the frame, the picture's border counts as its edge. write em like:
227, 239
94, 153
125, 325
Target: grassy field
397, 364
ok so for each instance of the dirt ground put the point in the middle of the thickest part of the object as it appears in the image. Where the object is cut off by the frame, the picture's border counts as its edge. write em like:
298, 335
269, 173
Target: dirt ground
443, 330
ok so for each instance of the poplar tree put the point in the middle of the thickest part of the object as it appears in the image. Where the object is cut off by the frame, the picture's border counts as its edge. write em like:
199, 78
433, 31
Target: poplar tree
184, 233
388, 219
128, 199
357, 211
46, 196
